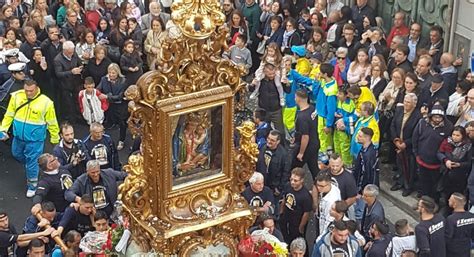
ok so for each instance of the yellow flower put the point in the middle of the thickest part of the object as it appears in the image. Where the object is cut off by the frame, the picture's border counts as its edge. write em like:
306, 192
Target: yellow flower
279, 250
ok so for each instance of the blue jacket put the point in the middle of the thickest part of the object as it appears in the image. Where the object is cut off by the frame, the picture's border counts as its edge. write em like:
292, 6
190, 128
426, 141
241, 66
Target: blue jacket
347, 110
324, 94
322, 248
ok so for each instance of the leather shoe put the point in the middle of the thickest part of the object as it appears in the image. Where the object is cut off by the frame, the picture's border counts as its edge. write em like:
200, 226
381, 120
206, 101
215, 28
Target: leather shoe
406, 192
396, 187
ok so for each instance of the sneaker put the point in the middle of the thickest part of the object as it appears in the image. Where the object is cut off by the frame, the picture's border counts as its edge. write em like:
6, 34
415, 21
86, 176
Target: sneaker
254, 95
120, 145
30, 193
282, 101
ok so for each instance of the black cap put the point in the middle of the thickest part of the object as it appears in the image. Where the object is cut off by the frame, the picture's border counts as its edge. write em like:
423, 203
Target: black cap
437, 78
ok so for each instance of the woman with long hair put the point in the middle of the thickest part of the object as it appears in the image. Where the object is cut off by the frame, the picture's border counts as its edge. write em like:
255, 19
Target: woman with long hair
103, 31
291, 36
359, 68
36, 20
317, 43
119, 33
6, 12
387, 99
411, 85
237, 25
376, 81
86, 45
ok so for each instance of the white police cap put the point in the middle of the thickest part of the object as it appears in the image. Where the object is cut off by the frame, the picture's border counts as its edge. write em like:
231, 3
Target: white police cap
17, 67
14, 52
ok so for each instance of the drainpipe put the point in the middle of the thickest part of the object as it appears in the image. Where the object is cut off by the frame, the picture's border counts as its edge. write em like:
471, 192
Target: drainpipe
454, 16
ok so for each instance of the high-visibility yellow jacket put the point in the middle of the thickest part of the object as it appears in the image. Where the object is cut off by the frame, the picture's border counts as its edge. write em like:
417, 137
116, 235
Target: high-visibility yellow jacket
365, 96
31, 121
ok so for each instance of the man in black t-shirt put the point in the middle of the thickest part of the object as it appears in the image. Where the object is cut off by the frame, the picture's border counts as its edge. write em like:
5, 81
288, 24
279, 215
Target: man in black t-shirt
79, 219
430, 232
306, 144
9, 237
459, 227
345, 181
259, 196
54, 181
295, 208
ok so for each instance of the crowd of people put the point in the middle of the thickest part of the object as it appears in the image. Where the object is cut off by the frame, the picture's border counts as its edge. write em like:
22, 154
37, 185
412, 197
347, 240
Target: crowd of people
335, 92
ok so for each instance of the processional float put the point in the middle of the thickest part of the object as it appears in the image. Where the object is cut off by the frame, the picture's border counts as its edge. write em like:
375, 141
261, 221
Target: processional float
182, 195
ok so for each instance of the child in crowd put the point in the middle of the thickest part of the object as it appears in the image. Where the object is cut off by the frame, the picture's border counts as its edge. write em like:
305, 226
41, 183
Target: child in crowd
92, 103
344, 126
131, 63
304, 24
239, 54
316, 59
324, 90
366, 120
303, 65
272, 55
263, 128
101, 221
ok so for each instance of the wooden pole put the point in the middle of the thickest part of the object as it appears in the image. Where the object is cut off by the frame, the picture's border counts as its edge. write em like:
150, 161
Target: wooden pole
57, 239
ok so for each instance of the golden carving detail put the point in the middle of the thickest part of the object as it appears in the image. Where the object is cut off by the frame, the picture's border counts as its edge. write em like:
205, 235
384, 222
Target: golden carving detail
191, 77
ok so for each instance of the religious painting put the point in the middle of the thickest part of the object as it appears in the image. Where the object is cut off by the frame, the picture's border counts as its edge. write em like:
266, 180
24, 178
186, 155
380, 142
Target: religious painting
196, 144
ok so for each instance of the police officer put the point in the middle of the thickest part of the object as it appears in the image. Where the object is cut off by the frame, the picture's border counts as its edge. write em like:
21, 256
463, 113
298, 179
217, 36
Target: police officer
11, 56
31, 113
14, 83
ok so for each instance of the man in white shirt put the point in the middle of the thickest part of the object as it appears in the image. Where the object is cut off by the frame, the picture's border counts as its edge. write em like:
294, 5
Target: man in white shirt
404, 239
327, 194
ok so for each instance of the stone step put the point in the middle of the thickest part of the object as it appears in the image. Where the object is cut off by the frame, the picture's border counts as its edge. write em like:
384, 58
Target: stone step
397, 206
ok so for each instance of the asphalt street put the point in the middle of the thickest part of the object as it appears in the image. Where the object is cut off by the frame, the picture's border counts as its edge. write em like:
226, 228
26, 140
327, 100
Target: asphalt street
13, 180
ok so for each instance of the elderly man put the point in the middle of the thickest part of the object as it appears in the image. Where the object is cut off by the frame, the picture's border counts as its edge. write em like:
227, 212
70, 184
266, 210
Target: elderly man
155, 13
401, 130
101, 147
102, 185
274, 164
436, 93
68, 68
399, 28
54, 182
373, 210
259, 196
31, 113
427, 137
448, 72
436, 43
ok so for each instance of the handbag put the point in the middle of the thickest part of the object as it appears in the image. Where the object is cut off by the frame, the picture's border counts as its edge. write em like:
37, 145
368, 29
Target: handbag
114, 53
262, 46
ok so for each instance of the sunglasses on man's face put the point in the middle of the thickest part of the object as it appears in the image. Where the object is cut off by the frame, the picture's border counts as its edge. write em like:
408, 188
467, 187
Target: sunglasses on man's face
341, 58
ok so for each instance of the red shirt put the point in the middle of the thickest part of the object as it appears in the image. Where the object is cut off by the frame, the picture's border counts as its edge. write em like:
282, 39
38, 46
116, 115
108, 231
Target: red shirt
400, 31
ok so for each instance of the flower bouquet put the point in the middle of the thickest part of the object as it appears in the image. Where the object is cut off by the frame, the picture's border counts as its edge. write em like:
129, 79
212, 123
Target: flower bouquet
262, 243
107, 243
